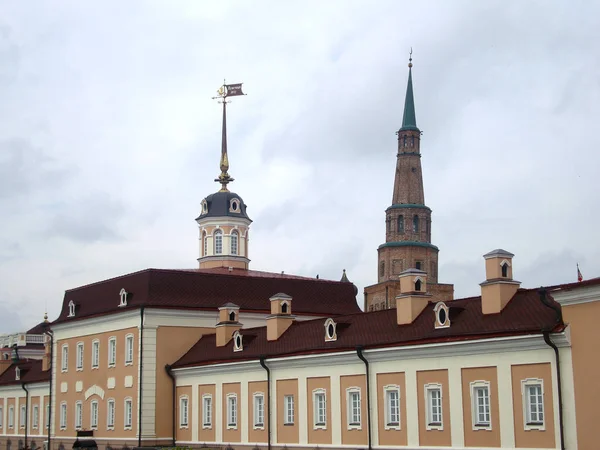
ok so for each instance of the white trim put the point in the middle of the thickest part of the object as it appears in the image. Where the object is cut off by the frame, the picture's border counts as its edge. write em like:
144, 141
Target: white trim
64, 358
526, 383
78, 415
109, 401
238, 347
95, 354
207, 425
94, 390
122, 298
231, 412
476, 425
439, 306
257, 425
386, 413
186, 425
318, 425
79, 356
106, 323
127, 400
129, 337
71, 308
110, 361
330, 337
349, 409
287, 399
63, 415
429, 425
577, 295
92, 403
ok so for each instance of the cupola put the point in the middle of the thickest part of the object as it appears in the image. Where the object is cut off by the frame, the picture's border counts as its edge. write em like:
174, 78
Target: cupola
413, 297
228, 323
281, 317
499, 287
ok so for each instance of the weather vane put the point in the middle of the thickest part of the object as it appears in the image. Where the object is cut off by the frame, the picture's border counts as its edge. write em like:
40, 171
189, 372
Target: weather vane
410, 58
226, 90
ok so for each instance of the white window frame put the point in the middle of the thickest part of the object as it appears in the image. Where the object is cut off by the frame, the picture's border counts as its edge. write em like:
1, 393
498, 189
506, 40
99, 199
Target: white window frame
71, 309
122, 298
317, 423
78, 415
35, 417
22, 416
218, 243
288, 410
79, 357
389, 423
95, 354
353, 419
430, 424
128, 413
11, 417
528, 424
64, 358
232, 413
94, 415
258, 410
184, 412
112, 351
17, 374
47, 416
207, 411
110, 414
234, 242
129, 341
477, 423
63, 416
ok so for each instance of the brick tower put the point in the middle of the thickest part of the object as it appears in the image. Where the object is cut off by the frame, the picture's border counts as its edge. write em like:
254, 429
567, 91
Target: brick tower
407, 221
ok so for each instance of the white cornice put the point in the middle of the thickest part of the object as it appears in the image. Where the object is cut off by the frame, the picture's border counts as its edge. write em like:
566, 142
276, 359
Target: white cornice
577, 295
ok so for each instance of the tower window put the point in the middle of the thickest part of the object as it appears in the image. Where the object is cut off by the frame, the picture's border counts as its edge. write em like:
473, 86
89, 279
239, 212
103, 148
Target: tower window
205, 242
418, 265
284, 308
412, 141
234, 242
381, 268
218, 242
418, 285
504, 270
405, 142
401, 224
232, 316
415, 224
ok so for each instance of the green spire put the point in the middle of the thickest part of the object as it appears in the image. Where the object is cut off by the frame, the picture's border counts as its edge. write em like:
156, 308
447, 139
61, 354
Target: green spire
409, 120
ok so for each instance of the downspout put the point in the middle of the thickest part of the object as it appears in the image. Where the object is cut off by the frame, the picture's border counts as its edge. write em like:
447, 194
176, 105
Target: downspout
140, 376
26, 411
548, 341
172, 377
51, 368
264, 366
359, 352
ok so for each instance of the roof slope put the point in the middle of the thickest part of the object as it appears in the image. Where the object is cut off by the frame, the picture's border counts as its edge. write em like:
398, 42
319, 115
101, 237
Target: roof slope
209, 289
31, 372
524, 314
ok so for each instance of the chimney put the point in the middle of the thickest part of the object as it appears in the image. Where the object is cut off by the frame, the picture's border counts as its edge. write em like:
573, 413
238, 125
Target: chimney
413, 296
46, 363
281, 317
228, 323
499, 286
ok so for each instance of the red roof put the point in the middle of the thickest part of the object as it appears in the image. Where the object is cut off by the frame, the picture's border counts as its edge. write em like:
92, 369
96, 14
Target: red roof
208, 289
524, 314
31, 372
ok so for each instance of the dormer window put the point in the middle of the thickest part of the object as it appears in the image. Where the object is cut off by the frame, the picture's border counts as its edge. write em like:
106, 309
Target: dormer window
330, 330
232, 316
71, 309
204, 207
17, 374
234, 205
504, 266
442, 316
123, 296
418, 284
237, 342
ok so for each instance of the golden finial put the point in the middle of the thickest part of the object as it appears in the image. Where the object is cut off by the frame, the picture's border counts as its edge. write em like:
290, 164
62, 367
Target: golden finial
410, 58
46, 317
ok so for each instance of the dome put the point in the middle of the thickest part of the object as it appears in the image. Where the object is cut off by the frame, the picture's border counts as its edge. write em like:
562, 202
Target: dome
223, 204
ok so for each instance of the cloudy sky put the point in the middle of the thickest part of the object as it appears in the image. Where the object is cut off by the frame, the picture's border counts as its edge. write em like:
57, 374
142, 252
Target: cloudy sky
109, 138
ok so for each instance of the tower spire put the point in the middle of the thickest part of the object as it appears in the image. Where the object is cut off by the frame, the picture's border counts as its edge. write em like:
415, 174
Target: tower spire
409, 120
224, 177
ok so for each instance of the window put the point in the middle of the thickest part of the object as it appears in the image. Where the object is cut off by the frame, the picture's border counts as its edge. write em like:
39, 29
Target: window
231, 411
288, 409
205, 241
418, 285
353, 406
234, 242
95, 354
94, 414
259, 411
1, 417
71, 309
79, 355
11, 417
17, 374
504, 267
47, 416
533, 403
123, 298
65, 358
330, 327
110, 414
63, 416
129, 349
418, 265
237, 342
78, 415
22, 413
35, 417
401, 224
112, 352
433, 409
319, 409
218, 242
232, 316
480, 405
183, 412
415, 224
382, 268
128, 413
392, 407
284, 307
206, 411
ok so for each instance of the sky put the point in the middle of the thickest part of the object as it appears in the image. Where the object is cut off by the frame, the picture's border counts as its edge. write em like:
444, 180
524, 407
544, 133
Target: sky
109, 138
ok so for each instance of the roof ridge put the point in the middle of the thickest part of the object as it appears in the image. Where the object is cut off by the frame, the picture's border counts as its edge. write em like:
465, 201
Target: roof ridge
250, 274
95, 283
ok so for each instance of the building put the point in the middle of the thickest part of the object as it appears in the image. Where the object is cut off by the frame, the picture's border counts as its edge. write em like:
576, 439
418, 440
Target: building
407, 221
225, 356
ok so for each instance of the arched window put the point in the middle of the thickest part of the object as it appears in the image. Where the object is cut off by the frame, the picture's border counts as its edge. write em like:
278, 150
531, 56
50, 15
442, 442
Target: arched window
232, 316
405, 143
401, 224
205, 243
504, 270
284, 308
218, 234
412, 141
234, 242
418, 285
415, 224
